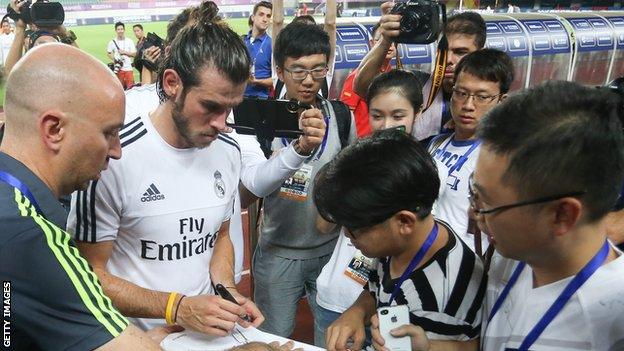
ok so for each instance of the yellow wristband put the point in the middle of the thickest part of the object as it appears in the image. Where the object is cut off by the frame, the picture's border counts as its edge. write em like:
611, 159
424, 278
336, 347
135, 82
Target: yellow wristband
169, 310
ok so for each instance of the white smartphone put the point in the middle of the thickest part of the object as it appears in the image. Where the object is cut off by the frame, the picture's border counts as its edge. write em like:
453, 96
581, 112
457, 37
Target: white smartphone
392, 317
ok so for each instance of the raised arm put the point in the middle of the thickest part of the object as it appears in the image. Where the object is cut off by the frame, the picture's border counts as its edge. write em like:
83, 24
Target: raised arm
371, 64
330, 29
278, 19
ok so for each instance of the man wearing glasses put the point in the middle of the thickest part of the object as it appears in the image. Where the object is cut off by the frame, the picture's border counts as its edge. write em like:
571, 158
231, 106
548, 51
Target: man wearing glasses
549, 171
482, 80
291, 252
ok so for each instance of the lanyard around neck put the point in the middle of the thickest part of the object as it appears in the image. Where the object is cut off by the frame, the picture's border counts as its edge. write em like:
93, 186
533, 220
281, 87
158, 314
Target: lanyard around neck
463, 158
8, 178
579, 279
433, 234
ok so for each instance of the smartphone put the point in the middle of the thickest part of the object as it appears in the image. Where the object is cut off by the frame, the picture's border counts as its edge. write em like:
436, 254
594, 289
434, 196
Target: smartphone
392, 317
268, 118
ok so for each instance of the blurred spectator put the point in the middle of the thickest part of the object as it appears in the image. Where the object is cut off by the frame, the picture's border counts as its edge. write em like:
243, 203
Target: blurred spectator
6, 38
259, 44
140, 35
120, 50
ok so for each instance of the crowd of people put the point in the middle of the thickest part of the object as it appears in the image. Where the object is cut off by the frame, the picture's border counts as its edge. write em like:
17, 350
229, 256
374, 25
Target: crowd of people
485, 212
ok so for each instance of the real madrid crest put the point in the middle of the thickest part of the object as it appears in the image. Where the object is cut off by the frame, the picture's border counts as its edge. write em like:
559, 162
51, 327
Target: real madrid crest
219, 185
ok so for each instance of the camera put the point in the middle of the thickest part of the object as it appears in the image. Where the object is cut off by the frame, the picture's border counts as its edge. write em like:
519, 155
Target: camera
384, 312
422, 21
115, 66
152, 39
43, 14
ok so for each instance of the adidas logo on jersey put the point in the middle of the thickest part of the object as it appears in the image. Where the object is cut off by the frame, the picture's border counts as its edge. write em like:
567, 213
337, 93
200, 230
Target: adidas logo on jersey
152, 194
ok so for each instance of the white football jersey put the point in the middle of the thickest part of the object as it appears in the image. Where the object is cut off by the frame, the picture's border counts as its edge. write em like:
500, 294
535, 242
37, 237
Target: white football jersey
452, 204
163, 207
593, 318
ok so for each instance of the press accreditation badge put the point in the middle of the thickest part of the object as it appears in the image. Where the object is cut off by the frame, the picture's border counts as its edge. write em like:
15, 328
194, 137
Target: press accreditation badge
296, 187
360, 268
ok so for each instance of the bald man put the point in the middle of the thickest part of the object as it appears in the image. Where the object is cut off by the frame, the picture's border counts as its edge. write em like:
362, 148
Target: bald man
55, 142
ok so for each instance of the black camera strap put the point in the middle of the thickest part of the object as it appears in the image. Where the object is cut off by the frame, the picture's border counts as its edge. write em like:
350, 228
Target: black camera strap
438, 72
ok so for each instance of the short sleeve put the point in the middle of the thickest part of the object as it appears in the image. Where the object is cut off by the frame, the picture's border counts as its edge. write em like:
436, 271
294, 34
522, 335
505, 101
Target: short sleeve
95, 213
57, 300
111, 47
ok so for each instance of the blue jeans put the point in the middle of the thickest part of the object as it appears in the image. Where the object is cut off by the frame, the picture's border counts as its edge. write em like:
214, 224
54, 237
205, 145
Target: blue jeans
323, 319
279, 284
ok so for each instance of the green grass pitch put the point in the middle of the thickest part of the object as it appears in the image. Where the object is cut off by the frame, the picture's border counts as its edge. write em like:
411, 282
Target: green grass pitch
94, 39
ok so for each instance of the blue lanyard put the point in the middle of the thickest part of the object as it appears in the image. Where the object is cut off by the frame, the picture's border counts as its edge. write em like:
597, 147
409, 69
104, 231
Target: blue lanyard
18, 184
463, 158
579, 279
433, 234
323, 143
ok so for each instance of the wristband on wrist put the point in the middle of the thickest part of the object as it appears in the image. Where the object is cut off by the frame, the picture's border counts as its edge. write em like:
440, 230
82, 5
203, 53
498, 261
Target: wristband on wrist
169, 309
175, 315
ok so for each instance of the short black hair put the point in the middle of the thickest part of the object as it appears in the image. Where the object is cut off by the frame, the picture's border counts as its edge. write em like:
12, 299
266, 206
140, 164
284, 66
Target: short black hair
560, 137
467, 23
488, 64
399, 81
138, 25
120, 24
266, 4
378, 176
201, 45
304, 19
298, 40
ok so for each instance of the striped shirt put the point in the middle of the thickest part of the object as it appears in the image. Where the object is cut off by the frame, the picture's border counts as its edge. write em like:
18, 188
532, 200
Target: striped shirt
444, 295
56, 301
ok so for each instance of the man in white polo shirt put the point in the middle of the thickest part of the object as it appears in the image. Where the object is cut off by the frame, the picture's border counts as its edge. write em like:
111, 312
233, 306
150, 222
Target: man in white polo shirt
121, 50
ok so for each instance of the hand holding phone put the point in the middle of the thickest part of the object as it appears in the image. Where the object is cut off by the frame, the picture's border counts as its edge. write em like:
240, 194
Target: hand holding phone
390, 318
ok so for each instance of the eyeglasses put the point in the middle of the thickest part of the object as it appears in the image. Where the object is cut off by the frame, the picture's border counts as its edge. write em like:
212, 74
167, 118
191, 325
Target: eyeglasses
479, 99
474, 198
300, 74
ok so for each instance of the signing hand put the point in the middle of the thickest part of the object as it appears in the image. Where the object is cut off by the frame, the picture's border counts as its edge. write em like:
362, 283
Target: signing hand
209, 314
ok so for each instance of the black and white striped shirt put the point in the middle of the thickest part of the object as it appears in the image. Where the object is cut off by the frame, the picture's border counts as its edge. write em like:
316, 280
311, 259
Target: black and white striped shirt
444, 295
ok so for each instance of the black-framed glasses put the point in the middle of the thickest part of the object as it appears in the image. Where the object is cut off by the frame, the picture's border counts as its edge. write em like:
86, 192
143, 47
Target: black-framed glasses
479, 99
300, 74
474, 198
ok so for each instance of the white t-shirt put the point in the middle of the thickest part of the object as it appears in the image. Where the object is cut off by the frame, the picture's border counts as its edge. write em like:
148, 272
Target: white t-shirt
6, 40
163, 211
258, 175
141, 100
338, 285
126, 45
452, 205
593, 318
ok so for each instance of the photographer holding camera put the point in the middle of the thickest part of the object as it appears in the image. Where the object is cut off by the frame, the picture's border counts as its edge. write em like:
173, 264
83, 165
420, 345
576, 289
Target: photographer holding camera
464, 33
45, 20
121, 50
